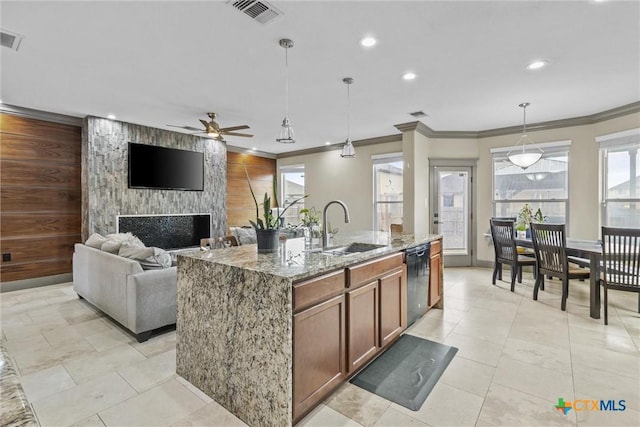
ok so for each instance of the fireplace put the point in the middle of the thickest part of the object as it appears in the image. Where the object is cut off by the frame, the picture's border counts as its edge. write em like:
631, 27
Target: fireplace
168, 231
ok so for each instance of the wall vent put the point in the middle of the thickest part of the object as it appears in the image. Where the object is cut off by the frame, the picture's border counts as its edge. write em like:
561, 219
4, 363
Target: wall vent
260, 11
10, 40
418, 114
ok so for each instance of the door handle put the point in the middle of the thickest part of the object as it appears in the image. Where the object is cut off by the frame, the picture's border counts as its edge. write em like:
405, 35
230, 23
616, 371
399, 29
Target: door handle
436, 222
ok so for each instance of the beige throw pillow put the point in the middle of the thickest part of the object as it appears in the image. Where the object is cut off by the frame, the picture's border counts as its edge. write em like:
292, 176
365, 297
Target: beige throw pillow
95, 241
149, 258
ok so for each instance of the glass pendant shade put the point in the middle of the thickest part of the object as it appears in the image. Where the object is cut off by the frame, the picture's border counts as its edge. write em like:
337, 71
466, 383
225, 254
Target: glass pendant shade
286, 132
524, 158
347, 150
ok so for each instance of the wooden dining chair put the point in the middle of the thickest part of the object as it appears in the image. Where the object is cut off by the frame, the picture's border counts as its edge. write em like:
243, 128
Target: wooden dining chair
550, 247
620, 262
506, 252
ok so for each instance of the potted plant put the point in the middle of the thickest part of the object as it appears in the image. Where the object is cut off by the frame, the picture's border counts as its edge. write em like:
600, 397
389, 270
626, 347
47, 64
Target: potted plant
268, 227
310, 221
525, 217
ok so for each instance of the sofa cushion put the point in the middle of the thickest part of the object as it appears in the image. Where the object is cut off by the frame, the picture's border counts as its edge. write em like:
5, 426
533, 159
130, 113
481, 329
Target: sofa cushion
95, 241
149, 258
245, 236
116, 240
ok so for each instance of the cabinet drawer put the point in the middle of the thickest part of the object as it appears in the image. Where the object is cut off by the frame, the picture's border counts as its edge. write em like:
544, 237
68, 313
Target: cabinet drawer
365, 272
436, 247
317, 289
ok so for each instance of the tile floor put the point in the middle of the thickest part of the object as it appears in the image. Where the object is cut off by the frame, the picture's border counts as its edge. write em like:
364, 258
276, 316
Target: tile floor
516, 358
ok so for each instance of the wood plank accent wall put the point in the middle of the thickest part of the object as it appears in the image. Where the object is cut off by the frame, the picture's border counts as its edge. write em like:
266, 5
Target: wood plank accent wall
40, 196
262, 172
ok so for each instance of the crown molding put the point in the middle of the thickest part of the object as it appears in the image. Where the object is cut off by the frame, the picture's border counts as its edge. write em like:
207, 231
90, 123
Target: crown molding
41, 115
338, 146
258, 153
613, 113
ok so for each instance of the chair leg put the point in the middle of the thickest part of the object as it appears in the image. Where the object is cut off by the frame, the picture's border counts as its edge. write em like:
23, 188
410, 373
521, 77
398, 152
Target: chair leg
520, 274
495, 273
638, 302
565, 292
542, 282
514, 273
606, 307
536, 287
499, 271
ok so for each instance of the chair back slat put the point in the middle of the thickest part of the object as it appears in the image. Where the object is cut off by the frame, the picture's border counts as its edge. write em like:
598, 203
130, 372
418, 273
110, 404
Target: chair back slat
621, 256
503, 234
549, 245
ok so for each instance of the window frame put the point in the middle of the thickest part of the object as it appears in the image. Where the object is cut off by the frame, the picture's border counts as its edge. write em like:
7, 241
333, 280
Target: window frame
378, 160
297, 168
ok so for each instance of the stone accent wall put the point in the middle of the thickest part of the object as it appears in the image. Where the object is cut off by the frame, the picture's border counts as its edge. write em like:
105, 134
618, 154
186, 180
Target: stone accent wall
105, 191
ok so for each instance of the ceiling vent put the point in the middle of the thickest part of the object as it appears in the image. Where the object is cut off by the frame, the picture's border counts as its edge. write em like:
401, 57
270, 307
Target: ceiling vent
260, 11
418, 114
10, 40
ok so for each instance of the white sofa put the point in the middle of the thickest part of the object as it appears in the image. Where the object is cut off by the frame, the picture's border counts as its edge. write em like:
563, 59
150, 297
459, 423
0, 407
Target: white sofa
140, 300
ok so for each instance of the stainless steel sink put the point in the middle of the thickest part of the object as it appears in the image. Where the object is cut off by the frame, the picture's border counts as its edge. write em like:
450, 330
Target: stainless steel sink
351, 249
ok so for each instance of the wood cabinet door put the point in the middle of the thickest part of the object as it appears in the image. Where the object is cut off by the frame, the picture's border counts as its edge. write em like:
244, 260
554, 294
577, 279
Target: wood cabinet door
318, 353
435, 278
393, 305
362, 321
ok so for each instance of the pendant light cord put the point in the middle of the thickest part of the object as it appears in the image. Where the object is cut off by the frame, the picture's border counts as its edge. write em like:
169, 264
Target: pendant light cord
348, 113
286, 82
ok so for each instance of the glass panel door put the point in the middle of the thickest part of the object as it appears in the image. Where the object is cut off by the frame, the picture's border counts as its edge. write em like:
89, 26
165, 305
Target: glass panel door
451, 212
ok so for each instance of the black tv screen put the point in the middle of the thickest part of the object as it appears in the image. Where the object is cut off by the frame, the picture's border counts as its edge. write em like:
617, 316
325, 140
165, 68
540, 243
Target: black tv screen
151, 166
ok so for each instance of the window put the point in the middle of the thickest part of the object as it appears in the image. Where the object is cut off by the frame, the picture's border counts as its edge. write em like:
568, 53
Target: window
620, 160
387, 191
543, 185
292, 179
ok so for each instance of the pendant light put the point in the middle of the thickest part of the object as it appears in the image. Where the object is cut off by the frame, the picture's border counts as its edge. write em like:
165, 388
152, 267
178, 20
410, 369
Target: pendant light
286, 130
522, 157
348, 151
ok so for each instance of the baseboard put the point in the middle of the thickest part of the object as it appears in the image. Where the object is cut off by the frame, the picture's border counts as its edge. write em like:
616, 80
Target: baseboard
484, 264
36, 282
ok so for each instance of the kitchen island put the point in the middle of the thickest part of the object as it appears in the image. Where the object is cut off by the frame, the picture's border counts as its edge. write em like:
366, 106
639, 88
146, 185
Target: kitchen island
265, 335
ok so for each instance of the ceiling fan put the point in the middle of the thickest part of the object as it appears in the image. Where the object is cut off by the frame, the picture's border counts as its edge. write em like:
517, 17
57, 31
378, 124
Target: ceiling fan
213, 130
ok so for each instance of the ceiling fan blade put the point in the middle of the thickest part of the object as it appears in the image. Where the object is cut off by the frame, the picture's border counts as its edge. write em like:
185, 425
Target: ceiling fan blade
186, 127
233, 128
238, 134
204, 123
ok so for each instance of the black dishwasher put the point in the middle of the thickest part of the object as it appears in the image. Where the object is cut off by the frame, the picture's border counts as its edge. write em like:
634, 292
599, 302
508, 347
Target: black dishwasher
417, 281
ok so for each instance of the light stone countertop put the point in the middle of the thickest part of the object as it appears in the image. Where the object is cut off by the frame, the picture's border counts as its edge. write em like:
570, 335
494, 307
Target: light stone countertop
294, 262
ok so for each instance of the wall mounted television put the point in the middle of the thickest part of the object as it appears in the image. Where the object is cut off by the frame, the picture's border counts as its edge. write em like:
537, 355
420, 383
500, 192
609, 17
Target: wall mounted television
164, 168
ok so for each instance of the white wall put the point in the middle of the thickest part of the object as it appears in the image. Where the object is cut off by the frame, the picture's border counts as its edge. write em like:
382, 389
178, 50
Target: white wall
329, 177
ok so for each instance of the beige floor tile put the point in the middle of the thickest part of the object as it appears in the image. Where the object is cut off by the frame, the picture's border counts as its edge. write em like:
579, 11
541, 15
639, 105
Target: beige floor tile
582, 320
212, 415
358, 404
66, 334
162, 405
193, 389
531, 379
323, 416
596, 384
395, 418
605, 360
485, 329
46, 382
628, 417
113, 337
35, 360
82, 401
446, 406
157, 344
21, 332
92, 421
30, 343
85, 368
431, 328
602, 339
468, 375
482, 351
537, 354
551, 334
509, 408
150, 372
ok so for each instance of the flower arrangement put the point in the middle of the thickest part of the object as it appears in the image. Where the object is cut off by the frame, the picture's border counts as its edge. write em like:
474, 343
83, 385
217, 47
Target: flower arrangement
309, 217
526, 216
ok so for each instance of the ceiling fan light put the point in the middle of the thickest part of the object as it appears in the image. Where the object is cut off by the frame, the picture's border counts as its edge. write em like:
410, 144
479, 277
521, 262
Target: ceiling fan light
525, 160
286, 132
348, 151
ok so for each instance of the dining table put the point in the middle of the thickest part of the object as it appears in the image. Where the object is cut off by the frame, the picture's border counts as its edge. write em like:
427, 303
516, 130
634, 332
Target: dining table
591, 252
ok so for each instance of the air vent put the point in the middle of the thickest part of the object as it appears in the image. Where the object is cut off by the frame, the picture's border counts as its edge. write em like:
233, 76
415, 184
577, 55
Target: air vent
418, 114
10, 40
260, 11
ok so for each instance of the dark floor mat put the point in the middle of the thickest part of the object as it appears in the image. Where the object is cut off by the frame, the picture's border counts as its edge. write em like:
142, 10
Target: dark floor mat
407, 372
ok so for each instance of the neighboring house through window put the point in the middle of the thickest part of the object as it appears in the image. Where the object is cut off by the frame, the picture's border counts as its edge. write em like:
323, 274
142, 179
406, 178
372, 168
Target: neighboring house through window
387, 191
292, 179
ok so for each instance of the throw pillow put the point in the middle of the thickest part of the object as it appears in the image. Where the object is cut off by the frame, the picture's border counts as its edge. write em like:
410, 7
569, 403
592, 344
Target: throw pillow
135, 252
128, 238
95, 241
111, 246
246, 236
149, 258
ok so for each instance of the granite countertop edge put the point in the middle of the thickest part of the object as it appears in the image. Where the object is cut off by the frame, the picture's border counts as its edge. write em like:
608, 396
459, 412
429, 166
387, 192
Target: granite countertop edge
295, 263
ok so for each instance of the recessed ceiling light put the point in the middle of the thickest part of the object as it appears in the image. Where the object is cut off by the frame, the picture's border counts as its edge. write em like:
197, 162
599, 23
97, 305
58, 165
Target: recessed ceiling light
327, 143
254, 149
368, 42
111, 116
409, 76
536, 65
